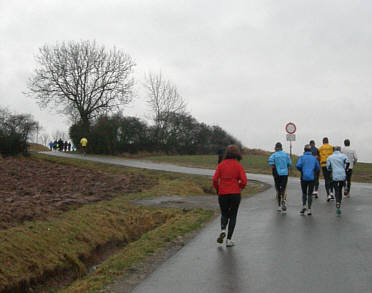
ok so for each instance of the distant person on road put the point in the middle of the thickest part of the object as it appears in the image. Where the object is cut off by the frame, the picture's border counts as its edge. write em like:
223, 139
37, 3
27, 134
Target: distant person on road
325, 151
352, 156
84, 143
315, 153
69, 146
308, 165
60, 145
338, 164
280, 161
50, 145
228, 180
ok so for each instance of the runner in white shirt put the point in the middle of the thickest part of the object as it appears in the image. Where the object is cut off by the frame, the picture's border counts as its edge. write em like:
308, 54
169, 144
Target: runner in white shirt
352, 156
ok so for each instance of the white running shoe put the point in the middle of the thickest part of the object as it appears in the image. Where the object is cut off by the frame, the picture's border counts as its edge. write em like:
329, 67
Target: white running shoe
279, 209
309, 212
229, 243
329, 197
284, 207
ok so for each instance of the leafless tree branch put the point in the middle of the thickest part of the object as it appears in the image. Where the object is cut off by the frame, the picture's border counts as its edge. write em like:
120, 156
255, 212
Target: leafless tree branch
81, 79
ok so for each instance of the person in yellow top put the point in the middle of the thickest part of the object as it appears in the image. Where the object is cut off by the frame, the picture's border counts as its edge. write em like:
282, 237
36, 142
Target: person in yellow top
84, 143
325, 151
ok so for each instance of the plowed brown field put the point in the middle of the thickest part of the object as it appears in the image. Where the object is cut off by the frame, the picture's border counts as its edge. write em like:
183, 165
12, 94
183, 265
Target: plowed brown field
33, 189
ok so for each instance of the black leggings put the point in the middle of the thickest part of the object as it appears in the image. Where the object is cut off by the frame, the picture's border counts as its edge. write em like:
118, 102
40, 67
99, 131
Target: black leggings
349, 173
327, 180
316, 180
338, 190
307, 191
229, 205
280, 185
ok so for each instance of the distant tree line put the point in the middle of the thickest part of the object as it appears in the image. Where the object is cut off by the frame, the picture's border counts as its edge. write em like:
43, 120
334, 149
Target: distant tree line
90, 83
181, 134
15, 129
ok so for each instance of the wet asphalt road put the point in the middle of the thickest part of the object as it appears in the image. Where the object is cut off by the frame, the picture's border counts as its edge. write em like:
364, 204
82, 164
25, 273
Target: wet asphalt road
274, 252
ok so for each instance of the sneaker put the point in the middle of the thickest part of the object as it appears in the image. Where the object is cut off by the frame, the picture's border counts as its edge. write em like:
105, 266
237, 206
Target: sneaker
303, 210
279, 209
229, 243
221, 237
284, 207
338, 209
309, 212
332, 196
315, 193
329, 197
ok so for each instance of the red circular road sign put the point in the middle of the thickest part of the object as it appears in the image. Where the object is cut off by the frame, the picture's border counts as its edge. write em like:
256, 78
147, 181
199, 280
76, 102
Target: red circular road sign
290, 128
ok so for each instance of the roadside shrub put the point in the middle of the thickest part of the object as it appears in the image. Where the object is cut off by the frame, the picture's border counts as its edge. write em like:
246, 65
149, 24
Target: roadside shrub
14, 132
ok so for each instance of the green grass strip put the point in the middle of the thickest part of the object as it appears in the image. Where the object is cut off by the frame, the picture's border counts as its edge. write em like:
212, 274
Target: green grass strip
136, 252
35, 251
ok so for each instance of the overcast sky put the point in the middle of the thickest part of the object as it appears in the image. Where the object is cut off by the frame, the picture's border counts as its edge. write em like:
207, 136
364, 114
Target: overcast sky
247, 66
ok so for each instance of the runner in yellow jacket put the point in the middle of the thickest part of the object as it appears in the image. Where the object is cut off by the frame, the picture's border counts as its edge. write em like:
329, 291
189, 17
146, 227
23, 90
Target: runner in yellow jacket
84, 143
325, 151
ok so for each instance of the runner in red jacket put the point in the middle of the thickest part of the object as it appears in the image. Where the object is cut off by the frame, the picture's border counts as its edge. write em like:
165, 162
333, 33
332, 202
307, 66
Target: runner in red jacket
229, 179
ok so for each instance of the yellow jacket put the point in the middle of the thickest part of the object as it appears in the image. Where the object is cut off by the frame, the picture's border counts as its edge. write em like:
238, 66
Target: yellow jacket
325, 151
84, 142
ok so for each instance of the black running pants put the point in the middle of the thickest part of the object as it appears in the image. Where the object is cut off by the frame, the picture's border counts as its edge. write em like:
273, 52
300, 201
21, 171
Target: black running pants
327, 180
280, 186
229, 205
307, 191
349, 173
338, 190
316, 180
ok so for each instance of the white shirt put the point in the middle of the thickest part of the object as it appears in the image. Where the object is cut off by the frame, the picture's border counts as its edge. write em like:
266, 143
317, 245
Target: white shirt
351, 155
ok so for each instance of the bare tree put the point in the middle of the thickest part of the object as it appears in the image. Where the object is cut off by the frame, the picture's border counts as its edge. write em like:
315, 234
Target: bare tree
163, 98
164, 102
44, 139
38, 127
81, 79
60, 135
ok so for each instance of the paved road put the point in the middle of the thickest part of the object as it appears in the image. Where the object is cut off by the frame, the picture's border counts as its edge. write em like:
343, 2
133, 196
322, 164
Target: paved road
274, 253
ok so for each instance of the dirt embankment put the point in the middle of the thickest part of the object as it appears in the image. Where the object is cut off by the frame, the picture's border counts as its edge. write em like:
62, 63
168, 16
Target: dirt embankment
34, 189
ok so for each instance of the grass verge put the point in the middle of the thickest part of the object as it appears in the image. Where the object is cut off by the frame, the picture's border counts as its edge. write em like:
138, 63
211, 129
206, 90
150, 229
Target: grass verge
150, 243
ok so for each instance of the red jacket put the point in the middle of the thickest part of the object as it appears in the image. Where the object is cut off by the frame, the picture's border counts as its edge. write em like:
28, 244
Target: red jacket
229, 177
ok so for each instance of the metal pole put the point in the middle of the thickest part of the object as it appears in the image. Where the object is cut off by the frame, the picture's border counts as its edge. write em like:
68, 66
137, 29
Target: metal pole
290, 149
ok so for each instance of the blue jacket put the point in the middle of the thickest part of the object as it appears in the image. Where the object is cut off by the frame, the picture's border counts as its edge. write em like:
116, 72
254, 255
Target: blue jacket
337, 163
281, 161
307, 164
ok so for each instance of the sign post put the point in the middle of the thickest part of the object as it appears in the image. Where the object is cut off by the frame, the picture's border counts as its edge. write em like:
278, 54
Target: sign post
290, 128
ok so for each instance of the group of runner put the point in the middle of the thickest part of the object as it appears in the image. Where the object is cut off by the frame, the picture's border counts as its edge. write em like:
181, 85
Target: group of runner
335, 162
61, 146
336, 165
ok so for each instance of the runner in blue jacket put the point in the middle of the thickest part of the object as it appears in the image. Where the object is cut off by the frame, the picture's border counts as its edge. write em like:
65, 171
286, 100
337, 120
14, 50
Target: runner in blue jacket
280, 161
308, 165
338, 164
